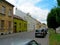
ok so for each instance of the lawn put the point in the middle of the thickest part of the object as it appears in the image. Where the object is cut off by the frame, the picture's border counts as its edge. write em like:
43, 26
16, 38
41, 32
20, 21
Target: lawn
54, 39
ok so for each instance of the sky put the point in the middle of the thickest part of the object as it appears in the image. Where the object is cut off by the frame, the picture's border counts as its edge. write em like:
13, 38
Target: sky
38, 9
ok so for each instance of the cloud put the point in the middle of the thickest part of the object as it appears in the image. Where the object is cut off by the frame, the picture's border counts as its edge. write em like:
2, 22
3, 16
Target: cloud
28, 6
11, 1
36, 12
19, 2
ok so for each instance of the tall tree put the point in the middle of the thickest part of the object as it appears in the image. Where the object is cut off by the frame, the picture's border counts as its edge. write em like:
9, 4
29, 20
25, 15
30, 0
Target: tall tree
51, 19
58, 15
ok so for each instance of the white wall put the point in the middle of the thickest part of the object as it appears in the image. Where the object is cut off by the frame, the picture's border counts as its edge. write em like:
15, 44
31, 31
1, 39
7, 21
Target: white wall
31, 22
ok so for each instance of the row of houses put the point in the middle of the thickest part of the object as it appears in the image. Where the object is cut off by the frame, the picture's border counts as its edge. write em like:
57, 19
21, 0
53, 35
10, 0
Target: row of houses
18, 22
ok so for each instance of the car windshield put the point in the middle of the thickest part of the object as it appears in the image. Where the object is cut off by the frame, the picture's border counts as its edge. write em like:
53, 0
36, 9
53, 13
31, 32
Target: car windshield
22, 21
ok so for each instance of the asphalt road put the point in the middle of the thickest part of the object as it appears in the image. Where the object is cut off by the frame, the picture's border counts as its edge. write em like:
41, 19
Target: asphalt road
15, 39
43, 41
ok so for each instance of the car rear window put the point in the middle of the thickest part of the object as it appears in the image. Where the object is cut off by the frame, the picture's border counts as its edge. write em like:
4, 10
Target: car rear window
42, 30
38, 31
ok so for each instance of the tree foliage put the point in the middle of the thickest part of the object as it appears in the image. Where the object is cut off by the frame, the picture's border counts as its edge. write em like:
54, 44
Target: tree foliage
58, 15
51, 19
58, 2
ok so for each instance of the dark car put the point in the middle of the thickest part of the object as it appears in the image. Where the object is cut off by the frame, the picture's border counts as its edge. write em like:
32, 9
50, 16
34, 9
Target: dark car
46, 30
40, 33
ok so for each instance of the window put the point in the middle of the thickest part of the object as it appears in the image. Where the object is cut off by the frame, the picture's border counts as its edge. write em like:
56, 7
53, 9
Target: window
2, 24
15, 23
9, 25
10, 12
3, 10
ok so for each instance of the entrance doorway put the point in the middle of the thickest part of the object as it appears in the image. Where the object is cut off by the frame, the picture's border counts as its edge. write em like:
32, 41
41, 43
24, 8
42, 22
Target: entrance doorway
15, 27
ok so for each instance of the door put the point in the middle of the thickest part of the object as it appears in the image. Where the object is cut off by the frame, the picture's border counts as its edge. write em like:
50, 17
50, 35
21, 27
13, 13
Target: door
15, 27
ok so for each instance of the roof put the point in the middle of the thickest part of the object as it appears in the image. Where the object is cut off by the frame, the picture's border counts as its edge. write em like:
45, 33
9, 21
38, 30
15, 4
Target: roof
7, 2
17, 17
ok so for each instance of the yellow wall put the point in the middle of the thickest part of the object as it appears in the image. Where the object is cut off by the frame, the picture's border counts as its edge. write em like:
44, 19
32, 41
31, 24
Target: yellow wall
18, 28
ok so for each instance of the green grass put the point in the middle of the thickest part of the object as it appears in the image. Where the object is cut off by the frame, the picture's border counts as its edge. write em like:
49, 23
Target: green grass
54, 39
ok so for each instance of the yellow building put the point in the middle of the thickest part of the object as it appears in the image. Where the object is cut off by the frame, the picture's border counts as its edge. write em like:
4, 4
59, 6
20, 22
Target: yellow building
19, 24
6, 17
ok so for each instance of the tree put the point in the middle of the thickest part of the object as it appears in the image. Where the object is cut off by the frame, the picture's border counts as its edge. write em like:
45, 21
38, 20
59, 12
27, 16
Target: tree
51, 19
58, 2
58, 15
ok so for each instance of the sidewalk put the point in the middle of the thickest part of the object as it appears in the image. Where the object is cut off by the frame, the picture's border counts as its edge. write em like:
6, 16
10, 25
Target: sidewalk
13, 34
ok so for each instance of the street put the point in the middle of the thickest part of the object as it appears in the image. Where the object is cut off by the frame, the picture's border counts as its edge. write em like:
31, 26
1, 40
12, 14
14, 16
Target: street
16, 38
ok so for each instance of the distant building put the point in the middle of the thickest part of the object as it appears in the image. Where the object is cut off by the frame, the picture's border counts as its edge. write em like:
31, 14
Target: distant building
38, 24
19, 24
6, 17
44, 25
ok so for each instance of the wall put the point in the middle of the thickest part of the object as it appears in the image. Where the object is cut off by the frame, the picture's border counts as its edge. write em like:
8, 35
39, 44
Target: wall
22, 28
5, 17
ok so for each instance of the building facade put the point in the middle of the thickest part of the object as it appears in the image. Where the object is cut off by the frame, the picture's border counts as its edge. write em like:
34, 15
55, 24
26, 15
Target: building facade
6, 17
38, 24
30, 22
19, 24
43, 25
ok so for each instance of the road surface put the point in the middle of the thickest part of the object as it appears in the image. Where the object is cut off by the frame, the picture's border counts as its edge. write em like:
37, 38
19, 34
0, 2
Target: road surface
15, 39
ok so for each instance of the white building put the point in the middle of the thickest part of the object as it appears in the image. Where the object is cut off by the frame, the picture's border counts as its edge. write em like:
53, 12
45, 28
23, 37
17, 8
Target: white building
30, 20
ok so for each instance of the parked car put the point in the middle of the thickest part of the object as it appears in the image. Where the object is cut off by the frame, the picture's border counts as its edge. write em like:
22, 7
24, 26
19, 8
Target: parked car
46, 30
40, 33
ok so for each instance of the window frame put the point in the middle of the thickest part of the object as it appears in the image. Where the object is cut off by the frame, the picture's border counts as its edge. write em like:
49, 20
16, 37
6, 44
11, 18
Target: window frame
2, 24
3, 9
10, 12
